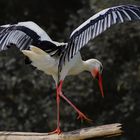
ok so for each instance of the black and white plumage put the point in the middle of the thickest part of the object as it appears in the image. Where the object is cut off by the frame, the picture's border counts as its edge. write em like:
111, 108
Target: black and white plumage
24, 34
97, 24
62, 59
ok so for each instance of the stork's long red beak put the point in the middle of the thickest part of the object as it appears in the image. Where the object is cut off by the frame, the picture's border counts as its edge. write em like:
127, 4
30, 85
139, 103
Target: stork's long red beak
97, 75
100, 84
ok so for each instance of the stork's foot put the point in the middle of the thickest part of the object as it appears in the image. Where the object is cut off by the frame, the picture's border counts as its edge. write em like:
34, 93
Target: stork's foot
83, 117
57, 131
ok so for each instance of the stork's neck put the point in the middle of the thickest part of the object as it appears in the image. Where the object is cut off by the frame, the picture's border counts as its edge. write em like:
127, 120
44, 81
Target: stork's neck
79, 67
86, 66
90, 64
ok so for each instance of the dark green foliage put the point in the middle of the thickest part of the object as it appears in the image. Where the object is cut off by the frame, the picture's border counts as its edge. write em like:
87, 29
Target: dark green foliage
27, 96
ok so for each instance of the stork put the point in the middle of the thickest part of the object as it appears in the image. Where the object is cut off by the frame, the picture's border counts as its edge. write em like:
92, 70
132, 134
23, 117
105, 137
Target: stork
62, 59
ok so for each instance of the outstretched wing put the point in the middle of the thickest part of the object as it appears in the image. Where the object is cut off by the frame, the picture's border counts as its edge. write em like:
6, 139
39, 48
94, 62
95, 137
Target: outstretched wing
24, 34
96, 25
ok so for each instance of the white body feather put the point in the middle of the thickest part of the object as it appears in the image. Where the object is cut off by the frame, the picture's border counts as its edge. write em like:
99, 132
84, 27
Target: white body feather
49, 65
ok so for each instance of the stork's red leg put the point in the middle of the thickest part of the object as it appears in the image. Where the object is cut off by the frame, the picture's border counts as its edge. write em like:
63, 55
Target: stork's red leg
58, 94
58, 89
80, 114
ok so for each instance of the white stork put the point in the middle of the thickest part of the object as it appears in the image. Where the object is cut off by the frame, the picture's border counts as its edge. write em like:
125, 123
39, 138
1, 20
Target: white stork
62, 59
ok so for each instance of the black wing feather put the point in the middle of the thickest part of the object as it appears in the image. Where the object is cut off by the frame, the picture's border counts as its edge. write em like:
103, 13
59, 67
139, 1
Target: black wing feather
96, 25
22, 37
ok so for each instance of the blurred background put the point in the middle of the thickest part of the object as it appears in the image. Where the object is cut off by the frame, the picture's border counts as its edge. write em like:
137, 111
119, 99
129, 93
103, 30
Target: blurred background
27, 96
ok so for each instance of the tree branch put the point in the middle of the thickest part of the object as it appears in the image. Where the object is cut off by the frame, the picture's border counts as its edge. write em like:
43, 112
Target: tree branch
108, 130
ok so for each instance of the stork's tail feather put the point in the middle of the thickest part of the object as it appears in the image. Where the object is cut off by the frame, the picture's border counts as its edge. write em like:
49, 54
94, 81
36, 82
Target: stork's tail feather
27, 53
34, 53
37, 50
31, 55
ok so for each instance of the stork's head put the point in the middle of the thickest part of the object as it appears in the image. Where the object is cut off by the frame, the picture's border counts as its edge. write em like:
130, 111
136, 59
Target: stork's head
96, 68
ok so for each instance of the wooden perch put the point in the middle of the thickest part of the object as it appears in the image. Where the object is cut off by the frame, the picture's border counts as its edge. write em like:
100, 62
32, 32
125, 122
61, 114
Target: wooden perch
109, 130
